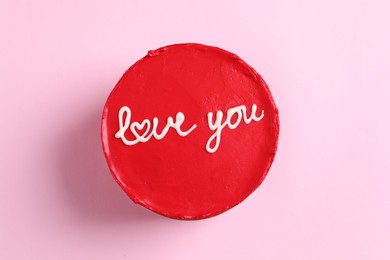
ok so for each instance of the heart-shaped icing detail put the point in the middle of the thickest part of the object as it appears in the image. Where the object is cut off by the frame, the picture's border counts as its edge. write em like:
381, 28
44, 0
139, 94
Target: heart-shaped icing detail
141, 130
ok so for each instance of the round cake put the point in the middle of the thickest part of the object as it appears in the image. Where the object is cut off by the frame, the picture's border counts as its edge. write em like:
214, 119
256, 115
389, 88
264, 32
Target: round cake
190, 131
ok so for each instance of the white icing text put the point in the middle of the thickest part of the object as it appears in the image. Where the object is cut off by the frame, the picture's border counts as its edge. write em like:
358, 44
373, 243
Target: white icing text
217, 126
142, 131
147, 129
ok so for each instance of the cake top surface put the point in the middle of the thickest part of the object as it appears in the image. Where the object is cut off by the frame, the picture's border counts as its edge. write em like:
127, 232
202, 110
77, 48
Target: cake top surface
190, 131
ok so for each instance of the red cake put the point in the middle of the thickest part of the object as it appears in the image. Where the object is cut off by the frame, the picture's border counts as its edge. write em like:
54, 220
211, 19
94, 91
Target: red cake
190, 131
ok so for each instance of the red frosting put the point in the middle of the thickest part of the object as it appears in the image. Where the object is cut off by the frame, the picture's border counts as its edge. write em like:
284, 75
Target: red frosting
176, 176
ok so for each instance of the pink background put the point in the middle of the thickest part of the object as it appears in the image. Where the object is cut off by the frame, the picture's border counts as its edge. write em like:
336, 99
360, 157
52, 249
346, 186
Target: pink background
327, 63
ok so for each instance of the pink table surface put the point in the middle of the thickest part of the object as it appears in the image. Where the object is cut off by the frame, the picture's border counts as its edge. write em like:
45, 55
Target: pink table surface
327, 63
